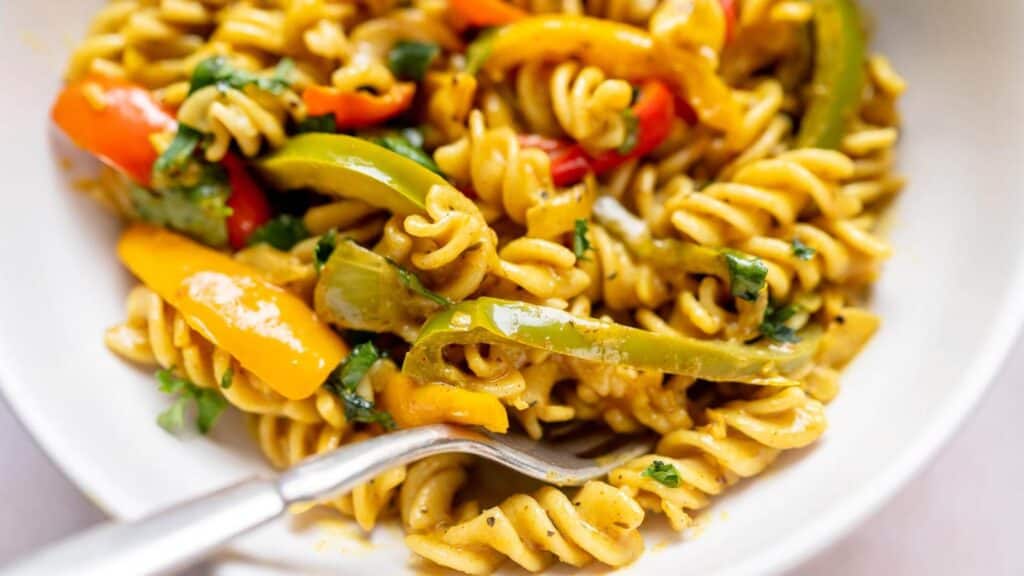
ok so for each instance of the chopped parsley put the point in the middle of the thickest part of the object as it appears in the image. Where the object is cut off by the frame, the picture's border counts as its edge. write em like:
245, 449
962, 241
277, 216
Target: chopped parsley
324, 249
227, 378
746, 274
580, 242
402, 143
282, 232
632, 137
413, 283
410, 60
346, 377
663, 473
802, 251
774, 324
218, 71
208, 403
324, 123
180, 153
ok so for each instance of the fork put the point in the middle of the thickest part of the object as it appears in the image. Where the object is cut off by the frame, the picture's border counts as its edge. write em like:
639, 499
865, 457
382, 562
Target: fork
187, 532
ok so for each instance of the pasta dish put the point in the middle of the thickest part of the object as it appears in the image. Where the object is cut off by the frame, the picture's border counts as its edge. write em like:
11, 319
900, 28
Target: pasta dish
347, 217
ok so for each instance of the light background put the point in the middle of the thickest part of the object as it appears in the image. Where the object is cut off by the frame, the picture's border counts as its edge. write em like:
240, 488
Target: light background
960, 515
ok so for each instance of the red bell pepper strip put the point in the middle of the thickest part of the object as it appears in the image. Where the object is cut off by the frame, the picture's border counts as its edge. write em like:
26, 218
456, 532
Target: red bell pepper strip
248, 203
358, 109
484, 13
114, 123
654, 110
729, 9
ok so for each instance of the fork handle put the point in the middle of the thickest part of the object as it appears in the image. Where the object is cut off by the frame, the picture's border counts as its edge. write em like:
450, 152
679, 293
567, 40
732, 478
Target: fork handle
160, 543
184, 533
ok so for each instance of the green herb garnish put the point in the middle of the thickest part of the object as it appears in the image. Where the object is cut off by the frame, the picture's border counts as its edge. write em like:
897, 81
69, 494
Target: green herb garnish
227, 378
208, 403
324, 123
410, 60
580, 241
802, 251
323, 250
632, 132
746, 274
346, 377
282, 232
413, 283
399, 143
199, 212
774, 324
480, 50
217, 70
179, 154
663, 473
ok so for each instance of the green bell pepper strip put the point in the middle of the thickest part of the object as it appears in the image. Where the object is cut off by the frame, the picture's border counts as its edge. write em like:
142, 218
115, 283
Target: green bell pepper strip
745, 274
838, 74
494, 321
360, 290
349, 167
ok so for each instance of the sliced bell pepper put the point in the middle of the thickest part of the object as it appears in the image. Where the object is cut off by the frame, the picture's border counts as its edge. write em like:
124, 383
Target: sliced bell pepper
360, 290
838, 74
729, 10
350, 167
248, 203
745, 275
412, 405
504, 322
114, 120
358, 109
483, 13
654, 111
268, 330
625, 52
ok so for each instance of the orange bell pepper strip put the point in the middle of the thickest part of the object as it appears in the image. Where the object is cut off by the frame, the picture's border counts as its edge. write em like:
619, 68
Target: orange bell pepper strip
114, 120
484, 13
358, 109
412, 405
622, 51
270, 331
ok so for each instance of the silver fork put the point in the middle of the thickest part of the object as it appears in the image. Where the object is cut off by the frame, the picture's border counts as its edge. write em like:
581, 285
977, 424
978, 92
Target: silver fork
185, 533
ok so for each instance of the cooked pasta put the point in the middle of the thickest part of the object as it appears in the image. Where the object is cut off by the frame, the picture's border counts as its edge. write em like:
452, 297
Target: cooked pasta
358, 216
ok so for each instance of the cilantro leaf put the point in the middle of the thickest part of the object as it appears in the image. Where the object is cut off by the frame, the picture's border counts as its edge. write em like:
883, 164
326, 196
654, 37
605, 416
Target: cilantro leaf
399, 143
324, 249
325, 123
358, 363
802, 251
346, 377
747, 274
198, 212
227, 378
180, 152
580, 241
413, 283
632, 132
663, 473
282, 232
217, 70
410, 60
774, 324
209, 403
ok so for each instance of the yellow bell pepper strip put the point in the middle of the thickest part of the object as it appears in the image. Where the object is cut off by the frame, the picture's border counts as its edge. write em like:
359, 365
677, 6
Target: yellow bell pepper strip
114, 120
504, 322
268, 330
358, 109
350, 167
838, 74
745, 274
621, 50
360, 290
483, 13
412, 405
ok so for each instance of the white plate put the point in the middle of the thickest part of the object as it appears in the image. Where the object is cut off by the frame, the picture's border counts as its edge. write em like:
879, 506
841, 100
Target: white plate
951, 300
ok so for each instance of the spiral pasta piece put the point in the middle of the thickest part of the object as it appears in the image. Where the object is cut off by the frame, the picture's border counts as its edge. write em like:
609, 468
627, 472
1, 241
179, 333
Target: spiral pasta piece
430, 487
741, 439
600, 523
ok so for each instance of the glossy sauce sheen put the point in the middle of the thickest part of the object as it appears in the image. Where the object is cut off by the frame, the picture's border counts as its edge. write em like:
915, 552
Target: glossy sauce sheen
271, 332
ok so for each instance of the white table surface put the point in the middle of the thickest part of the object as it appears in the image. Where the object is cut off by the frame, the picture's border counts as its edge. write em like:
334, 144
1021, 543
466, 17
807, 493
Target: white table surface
961, 515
